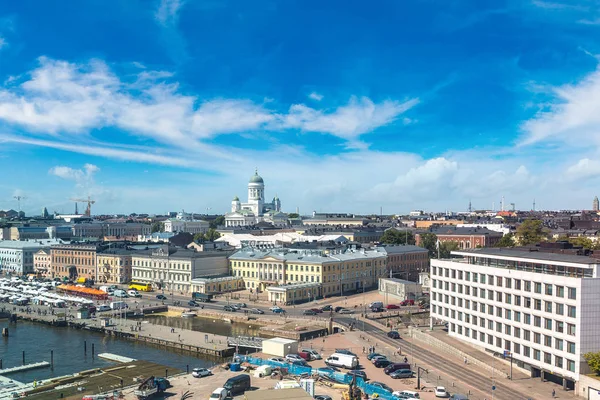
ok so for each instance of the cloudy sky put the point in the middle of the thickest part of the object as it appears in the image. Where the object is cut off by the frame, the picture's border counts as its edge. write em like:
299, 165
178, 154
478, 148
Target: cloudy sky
349, 106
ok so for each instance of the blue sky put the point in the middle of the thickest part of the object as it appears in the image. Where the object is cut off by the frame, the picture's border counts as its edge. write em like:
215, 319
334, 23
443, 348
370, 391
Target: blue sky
150, 106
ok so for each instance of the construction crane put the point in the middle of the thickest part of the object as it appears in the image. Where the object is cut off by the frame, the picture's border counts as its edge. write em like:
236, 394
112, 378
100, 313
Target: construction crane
89, 201
19, 198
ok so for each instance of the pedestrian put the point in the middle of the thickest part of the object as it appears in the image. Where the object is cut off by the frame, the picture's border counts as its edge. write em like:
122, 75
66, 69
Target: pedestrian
553, 393
406, 359
465, 360
363, 349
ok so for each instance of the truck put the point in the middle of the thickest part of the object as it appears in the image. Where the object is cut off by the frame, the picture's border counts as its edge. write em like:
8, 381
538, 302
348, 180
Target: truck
342, 360
150, 387
202, 297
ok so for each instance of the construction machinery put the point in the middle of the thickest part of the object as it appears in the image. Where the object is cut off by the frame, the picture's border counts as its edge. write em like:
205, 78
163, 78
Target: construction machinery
89, 201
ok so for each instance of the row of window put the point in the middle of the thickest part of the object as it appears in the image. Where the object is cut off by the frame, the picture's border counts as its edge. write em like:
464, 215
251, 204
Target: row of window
517, 349
159, 264
510, 283
536, 304
161, 276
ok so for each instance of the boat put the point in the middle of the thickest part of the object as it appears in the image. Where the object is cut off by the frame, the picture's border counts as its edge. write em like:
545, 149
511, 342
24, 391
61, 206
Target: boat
188, 314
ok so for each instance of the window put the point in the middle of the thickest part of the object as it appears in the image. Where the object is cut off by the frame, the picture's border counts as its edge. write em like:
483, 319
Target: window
547, 358
560, 309
517, 316
548, 306
547, 341
499, 296
527, 302
517, 333
498, 327
490, 295
527, 318
507, 329
490, 325
537, 304
560, 326
527, 286
518, 284
518, 300
571, 329
571, 365
499, 281
558, 362
526, 351
507, 298
548, 289
507, 314
537, 354
558, 344
572, 293
560, 291
490, 310
475, 275
537, 338
490, 279
537, 321
537, 287
508, 282
498, 311
548, 323
571, 347
571, 311
526, 334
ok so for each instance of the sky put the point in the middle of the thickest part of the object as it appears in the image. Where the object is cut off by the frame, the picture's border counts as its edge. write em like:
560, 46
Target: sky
342, 106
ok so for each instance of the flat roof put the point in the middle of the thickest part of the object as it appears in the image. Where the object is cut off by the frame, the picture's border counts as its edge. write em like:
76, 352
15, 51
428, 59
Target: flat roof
402, 281
532, 255
279, 341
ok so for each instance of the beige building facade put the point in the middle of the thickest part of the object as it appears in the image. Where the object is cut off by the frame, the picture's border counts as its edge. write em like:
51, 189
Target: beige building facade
42, 263
73, 261
113, 266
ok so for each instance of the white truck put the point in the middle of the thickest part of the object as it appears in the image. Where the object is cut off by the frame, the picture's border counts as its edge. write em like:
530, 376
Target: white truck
342, 361
118, 305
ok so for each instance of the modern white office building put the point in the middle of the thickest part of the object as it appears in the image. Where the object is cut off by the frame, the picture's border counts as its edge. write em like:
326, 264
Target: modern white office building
16, 257
544, 308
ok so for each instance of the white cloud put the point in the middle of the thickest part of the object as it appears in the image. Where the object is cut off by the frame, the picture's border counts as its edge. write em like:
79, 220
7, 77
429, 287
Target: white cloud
167, 11
358, 117
3, 42
83, 175
316, 96
573, 117
584, 168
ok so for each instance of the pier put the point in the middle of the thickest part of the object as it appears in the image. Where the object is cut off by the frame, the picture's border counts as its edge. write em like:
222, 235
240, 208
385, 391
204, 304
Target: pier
26, 367
243, 341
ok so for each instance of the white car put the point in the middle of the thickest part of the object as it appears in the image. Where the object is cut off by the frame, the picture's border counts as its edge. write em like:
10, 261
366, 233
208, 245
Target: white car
293, 357
219, 394
346, 311
274, 308
133, 293
277, 359
200, 372
441, 391
104, 307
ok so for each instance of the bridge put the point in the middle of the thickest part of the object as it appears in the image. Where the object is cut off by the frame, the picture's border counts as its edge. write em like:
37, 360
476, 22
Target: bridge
245, 341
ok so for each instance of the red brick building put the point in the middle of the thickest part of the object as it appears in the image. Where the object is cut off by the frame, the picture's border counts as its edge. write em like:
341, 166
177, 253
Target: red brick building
466, 238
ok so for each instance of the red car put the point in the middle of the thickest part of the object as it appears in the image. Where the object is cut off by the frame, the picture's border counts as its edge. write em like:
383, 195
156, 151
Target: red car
392, 307
408, 303
317, 310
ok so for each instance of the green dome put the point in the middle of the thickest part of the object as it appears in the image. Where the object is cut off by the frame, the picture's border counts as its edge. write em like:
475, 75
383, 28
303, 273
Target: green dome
236, 198
256, 178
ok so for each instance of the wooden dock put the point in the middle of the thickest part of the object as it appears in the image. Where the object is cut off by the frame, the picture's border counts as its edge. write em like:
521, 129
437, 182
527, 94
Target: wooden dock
26, 367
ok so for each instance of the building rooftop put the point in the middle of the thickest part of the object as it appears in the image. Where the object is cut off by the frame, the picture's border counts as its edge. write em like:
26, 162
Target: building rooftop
28, 244
454, 230
531, 255
401, 281
404, 249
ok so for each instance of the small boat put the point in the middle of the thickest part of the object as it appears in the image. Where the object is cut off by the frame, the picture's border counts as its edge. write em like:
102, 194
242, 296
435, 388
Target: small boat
188, 314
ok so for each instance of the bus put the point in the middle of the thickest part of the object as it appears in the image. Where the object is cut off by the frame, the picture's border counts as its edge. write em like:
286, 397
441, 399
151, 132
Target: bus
142, 287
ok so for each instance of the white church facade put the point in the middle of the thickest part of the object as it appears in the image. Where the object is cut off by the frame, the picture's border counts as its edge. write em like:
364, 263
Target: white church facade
256, 209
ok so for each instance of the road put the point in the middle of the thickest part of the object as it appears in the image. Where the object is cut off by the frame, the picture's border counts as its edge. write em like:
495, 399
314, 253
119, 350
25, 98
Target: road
445, 366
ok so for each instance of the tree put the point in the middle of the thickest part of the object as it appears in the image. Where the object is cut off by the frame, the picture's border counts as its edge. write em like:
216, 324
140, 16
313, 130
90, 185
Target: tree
531, 231
157, 227
446, 248
584, 242
429, 241
199, 237
212, 235
507, 240
219, 221
394, 236
593, 360
293, 215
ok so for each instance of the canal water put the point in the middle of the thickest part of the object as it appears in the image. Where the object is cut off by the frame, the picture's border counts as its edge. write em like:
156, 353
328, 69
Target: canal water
68, 344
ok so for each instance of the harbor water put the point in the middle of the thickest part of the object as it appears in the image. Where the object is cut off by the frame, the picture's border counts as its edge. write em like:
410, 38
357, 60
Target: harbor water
37, 340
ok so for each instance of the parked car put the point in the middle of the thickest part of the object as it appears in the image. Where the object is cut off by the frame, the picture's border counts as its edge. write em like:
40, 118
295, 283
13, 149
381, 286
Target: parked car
192, 303
161, 297
345, 351
104, 307
308, 312
457, 396
277, 359
392, 307
241, 305
402, 373
376, 309
406, 394
91, 309
301, 363
134, 293
441, 391
235, 306
317, 310
338, 308
407, 303
370, 356
327, 308
200, 372
314, 355
382, 363
393, 334
358, 373
274, 308
395, 367
228, 308
256, 311
219, 394
322, 397
378, 358
382, 385
346, 311
293, 357
306, 356
279, 311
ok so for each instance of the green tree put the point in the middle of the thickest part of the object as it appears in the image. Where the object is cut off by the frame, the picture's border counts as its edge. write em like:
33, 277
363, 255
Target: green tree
429, 241
584, 242
219, 221
157, 227
593, 360
507, 240
212, 234
394, 236
446, 248
199, 237
293, 215
531, 231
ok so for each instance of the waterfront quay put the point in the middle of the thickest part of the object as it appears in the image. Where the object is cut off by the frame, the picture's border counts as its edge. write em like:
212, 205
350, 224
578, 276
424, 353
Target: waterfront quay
135, 329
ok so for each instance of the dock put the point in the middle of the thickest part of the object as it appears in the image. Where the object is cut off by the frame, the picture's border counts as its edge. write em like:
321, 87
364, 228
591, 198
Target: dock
26, 367
116, 357
244, 341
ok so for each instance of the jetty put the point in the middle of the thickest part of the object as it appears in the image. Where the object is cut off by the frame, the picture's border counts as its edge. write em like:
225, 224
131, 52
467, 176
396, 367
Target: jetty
244, 341
26, 367
116, 357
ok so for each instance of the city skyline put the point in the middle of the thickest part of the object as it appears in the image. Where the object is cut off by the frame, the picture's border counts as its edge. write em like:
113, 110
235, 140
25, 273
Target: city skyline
169, 105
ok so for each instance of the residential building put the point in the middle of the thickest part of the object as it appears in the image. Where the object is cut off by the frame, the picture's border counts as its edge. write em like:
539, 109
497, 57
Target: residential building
40, 232
217, 284
172, 269
238, 240
113, 265
184, 225
465, 238
426, 224
42, 263
406, 261
156, 237
336, 219
73, 261
502, 228
337, 271
16, 257
541, 307
118, 229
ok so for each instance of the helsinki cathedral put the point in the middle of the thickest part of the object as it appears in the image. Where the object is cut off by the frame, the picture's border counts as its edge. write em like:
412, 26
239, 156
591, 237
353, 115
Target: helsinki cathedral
256, 209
